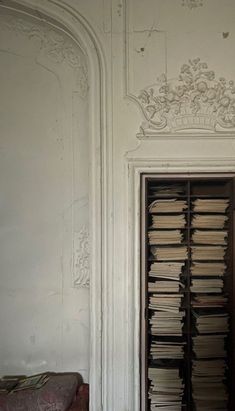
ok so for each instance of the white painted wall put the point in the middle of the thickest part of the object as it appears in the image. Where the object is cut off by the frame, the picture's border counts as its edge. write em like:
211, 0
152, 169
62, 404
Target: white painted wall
44, 180
45, 135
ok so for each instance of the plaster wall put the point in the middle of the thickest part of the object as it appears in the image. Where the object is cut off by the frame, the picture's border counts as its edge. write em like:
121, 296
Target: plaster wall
44, 199
142, 44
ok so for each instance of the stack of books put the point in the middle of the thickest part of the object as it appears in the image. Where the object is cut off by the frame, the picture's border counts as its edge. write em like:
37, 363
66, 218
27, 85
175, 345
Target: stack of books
208, 322
211, 321
209, 346
165, 237
170, 271
204, 285
166, 349
187, 320
168, 221
209, 390
210, 237
171, 205
167, 190
165, 286
209, 301
208, 252
166, 389
210, 205
169, 253
166, 302
167, 323
202, 269
209, 220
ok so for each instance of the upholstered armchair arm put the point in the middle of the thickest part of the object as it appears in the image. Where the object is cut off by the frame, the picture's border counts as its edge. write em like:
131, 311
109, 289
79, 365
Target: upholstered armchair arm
82, 400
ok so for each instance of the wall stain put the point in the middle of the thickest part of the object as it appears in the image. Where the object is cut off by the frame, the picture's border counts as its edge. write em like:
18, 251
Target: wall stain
32, 339
119, 9
141, 50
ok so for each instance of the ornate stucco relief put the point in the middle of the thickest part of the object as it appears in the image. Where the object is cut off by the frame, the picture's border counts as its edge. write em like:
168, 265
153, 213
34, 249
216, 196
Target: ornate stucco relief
195, 100
192, 4
59, 47
81, 267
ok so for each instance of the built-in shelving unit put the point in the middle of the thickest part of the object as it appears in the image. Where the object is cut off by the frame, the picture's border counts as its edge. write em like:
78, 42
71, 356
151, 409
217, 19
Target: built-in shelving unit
187, 266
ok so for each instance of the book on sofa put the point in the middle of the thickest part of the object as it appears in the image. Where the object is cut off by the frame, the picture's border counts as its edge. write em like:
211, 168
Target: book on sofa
17, 383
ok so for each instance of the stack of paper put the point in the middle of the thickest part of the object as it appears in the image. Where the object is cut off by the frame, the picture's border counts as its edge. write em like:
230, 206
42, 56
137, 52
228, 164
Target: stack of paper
211, 285
210, 205
167, 318
171, 271
209, 237
166, 389
211, 322
209, 301
209, 346
209, 221
167, 206
168, 189
166, 350
169, 253
167, 324
165, 286
209, 391
166, 302
165, 237
208, 253
168, 221
216, 269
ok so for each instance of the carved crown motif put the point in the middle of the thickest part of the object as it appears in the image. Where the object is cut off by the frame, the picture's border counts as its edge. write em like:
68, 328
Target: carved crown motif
195, 100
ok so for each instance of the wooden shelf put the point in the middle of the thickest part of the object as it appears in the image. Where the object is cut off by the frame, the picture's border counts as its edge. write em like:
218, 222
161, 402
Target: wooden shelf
195, 187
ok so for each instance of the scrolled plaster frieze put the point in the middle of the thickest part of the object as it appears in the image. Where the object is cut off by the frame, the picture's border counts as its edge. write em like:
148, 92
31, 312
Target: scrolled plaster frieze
81, 258
195, 100
58, 46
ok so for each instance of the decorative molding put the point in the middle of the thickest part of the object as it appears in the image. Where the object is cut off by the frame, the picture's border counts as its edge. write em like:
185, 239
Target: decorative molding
82, 258
82, 33
196, 100
186, 135
60, 48
134, 169
192, 4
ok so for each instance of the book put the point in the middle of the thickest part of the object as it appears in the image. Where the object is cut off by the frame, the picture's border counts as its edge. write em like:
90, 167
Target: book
168, 221
165, 286
7, 385
169, 253
204, 285
32, 382
166, 270
167, 206
167, 189
166, 349
205, 269
210, 205
166, 389
209, 237
208, 252
165, 237
209, 221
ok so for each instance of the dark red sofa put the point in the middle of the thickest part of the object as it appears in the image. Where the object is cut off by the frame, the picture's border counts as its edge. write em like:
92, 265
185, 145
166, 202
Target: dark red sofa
62, 392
